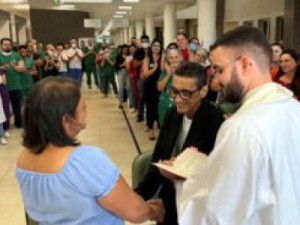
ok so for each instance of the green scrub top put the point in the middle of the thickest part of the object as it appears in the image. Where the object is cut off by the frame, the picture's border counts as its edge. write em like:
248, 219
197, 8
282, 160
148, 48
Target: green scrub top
13, 77
90, 58
26, 78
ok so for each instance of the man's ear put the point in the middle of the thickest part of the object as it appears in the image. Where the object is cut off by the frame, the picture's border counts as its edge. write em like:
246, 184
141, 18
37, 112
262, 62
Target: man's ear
247, 64
204, 91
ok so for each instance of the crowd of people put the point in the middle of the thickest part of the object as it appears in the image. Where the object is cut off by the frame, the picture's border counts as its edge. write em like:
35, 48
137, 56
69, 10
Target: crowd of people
237, 103
140, 71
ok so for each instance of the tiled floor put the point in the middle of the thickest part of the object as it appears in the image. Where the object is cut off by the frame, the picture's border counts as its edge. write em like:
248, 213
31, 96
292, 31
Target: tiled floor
106, 128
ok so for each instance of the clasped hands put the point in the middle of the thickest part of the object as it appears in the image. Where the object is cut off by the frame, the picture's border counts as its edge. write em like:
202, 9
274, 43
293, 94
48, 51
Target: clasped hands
157, 212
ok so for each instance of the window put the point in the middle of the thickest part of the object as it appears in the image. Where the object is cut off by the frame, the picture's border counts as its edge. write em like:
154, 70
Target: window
264, 26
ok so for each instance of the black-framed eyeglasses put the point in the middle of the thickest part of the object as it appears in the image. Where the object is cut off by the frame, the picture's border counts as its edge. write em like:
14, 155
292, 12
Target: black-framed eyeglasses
183, 94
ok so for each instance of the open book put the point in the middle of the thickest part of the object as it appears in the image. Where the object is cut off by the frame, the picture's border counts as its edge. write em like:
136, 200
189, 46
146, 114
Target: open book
185, 164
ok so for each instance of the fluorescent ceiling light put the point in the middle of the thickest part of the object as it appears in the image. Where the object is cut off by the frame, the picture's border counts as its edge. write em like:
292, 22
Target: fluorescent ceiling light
21, 6
131, 1
118, 16
86, 1
125, 7
13, 1
121, 12
65, 7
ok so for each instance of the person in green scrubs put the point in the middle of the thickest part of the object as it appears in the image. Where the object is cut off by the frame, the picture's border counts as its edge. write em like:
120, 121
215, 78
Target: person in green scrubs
173, 60
15, 66
26, 77
90, 63
108, 70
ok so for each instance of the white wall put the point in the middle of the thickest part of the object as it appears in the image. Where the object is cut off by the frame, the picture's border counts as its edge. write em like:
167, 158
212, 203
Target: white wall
244, 10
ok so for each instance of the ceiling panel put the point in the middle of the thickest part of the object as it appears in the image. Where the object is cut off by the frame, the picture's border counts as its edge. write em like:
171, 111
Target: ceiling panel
105, 11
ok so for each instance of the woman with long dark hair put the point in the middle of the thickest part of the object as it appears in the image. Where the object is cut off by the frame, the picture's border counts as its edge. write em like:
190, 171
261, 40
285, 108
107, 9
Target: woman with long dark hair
289, 72
151, 73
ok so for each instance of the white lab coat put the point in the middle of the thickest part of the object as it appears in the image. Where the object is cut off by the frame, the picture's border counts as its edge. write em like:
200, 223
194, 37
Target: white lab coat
252, 176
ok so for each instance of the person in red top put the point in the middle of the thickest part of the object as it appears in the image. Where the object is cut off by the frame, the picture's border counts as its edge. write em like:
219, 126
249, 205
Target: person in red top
133, 66
289, 72
276, 53
182, 42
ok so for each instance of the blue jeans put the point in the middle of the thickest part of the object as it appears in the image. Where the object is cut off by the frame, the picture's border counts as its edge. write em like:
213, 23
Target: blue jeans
76, 75
124, 82
1, 130
63, 74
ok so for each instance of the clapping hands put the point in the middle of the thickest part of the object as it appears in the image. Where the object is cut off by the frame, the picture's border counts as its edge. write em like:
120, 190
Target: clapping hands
157, 210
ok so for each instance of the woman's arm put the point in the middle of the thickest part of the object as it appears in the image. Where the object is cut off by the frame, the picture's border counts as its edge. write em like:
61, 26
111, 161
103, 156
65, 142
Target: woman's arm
128, 205
162, 83
146, 72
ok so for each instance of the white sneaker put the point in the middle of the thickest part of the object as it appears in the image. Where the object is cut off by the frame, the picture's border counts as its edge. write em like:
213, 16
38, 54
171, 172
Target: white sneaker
6, 134
3, 141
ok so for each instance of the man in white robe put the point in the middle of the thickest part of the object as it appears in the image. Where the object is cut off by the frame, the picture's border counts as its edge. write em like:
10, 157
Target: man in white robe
252, 177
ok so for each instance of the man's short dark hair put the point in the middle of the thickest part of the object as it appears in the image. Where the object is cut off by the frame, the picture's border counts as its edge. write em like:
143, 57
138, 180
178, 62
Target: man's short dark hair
192, 70
278, 44
5, 39
245, 39
183, 34
139, 54
145, 37
22, 47
47, 103
60, 44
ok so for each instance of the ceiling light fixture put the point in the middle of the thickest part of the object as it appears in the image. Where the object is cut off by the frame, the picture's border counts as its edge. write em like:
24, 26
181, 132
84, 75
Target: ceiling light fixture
118, 16
86, 1
131, 1
121, 12
65, 7
125, 7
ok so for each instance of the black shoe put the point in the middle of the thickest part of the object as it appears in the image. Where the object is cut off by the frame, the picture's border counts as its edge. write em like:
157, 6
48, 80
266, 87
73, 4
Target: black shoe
140, 119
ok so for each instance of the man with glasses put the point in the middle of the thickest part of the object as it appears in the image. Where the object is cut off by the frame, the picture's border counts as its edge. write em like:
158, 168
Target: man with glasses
252, 177
193, 121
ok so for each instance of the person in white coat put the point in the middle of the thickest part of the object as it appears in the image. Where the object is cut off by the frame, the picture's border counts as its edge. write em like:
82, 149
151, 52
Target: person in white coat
252, 175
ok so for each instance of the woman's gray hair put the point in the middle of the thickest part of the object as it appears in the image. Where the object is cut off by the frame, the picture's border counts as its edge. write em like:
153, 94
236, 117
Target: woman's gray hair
172, 51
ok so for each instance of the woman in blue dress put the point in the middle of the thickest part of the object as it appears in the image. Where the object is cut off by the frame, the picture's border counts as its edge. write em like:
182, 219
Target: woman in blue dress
63, 182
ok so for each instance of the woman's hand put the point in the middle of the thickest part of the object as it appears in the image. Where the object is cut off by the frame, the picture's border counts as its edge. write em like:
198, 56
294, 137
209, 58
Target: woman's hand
158, 210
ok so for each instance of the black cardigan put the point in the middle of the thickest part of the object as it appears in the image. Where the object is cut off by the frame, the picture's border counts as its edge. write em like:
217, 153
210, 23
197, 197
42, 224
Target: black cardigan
202, 134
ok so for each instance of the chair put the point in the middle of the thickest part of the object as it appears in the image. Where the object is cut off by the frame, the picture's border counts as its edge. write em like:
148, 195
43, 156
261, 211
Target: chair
30, 221
140, 167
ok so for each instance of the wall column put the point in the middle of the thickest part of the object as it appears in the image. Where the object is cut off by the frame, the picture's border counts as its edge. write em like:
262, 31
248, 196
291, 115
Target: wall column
139, 28
125, 35
150, 27
207, 30
131, 30
169, 23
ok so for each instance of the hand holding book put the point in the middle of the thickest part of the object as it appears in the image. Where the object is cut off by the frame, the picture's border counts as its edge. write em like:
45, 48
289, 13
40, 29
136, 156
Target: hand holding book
183, 166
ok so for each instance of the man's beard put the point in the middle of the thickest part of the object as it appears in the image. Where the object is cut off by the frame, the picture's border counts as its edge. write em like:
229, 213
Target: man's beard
7, 50
233, 91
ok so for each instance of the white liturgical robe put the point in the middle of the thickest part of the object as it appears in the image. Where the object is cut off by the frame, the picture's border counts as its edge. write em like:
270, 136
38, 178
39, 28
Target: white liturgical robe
252, 177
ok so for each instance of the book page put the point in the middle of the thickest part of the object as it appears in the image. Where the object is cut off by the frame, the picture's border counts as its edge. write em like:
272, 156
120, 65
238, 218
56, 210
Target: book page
185, 164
